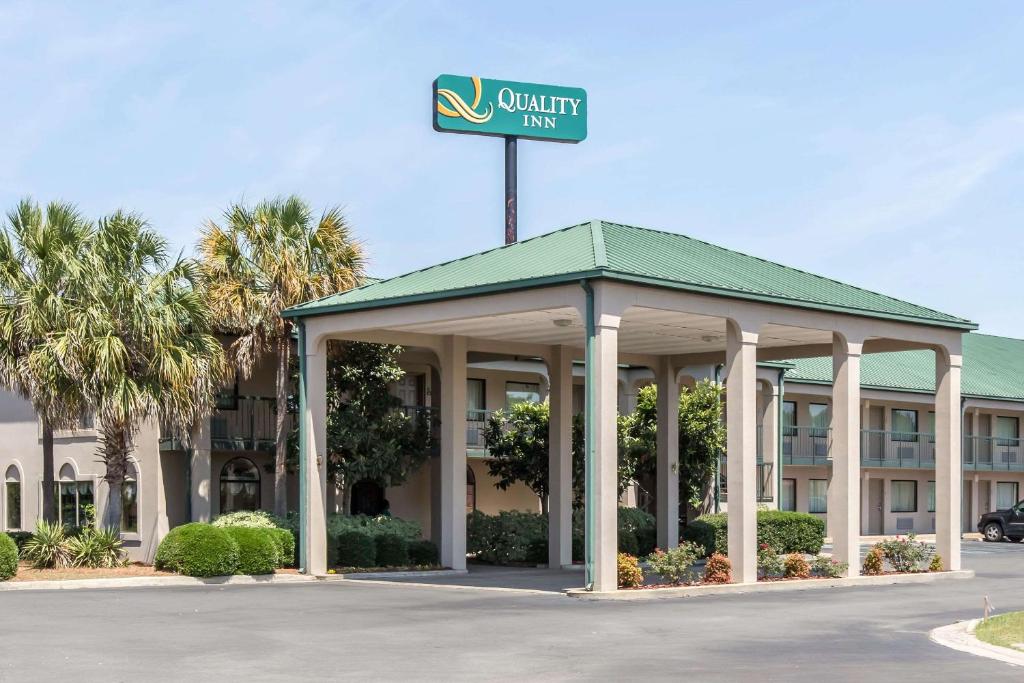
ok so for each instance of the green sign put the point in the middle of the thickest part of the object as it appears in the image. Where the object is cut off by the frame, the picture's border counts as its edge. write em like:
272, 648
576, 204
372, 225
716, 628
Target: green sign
469, 104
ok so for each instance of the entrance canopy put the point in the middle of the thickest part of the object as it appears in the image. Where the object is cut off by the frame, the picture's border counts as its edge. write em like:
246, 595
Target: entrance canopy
610, 293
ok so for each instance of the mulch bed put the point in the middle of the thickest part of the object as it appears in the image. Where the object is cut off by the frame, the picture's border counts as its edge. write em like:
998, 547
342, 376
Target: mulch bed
27, 573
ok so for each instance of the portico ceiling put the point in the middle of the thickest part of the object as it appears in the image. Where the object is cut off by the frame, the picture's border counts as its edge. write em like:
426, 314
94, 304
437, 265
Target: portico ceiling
642, 331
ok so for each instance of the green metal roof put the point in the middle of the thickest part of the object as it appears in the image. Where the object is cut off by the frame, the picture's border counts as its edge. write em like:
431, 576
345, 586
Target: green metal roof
993, 368
599, 249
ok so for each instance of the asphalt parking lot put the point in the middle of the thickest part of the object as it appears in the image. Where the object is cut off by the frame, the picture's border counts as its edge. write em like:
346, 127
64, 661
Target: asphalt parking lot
350, 630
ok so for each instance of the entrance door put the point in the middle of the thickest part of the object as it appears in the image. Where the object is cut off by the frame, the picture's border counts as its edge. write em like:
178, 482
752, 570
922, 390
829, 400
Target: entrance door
876, 489
410, 390
985, 497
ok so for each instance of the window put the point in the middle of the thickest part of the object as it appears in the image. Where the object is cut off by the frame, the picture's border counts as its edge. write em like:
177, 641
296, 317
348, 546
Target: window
904, 425
12, 499
75, 498
819, 420
521, 392
227, 397
931, 496
931, 426
1007, 431
130, 501
903, 495
788, 418
476, 399
239, 486
789, 495
470, 489
1006, 495
817, 495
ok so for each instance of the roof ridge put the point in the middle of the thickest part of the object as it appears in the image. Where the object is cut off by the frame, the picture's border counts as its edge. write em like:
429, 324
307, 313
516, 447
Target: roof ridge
600, 249
782, 265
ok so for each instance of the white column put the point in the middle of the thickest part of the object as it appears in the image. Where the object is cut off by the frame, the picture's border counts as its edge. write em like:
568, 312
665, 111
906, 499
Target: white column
844, 489
200, 472
741, 450
947, 457
668, 455
453, 452
560, 458
604, 452
316, 460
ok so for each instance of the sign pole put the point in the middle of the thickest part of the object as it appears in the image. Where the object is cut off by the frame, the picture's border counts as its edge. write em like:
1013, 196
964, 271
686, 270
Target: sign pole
511, 222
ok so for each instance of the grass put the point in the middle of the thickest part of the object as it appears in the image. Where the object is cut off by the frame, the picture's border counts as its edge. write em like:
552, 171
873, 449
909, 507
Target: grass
1005, 630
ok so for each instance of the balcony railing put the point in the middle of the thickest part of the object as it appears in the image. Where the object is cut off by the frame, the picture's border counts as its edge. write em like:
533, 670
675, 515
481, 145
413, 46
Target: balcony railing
765, 481
880, 448
994, 454
806, 445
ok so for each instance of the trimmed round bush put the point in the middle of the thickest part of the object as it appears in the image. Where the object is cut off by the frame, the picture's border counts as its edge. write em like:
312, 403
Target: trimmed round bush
258, 550
423, 552
356, 549
198, 549
8, 557
19, 538
286, 547
258, 519
392, 550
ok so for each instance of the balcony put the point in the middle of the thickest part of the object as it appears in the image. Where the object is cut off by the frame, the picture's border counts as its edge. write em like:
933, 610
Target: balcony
246, 424
993, 454
806, 445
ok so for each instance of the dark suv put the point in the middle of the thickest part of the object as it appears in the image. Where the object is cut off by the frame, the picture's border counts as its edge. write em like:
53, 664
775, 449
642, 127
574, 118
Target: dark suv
1009, 523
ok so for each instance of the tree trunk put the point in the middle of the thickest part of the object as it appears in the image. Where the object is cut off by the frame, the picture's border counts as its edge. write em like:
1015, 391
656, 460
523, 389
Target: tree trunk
49, 504
346, 499
281, 451
114, 445
544, 505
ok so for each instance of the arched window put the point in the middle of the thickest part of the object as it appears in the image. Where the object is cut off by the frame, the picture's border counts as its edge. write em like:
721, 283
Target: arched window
239, 486
130, 500
470, 489
12, 499
76, 498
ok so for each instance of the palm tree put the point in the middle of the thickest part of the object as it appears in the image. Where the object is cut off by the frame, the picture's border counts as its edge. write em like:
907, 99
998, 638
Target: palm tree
265, 259
142, 343
41, 257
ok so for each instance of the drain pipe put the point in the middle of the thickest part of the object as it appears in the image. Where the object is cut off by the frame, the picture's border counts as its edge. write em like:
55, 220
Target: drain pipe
590, 438
963, 412
303, 440
718, 460
778, 438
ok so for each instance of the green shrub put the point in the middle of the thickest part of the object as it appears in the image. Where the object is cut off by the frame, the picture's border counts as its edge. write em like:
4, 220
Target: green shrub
373, 526
8, 557
423, 552
392, 550
19, 538
258, 550
674, 565
256, 519
96, 548
906, 554
630, 574
537, 551
357, 549
769, 562
506, 538
286, 547
784, 532
48, 547
627, 542
936, 564
198, 549
826, 566
641, 525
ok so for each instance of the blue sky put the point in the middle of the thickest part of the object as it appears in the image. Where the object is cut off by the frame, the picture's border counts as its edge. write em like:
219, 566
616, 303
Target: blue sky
878, 143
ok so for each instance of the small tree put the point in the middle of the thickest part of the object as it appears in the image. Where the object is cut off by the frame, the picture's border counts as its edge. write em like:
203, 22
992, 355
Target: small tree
368, 434
701, 438
517, 442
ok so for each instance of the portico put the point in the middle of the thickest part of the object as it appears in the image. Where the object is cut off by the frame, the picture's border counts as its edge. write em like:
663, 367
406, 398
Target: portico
607, 294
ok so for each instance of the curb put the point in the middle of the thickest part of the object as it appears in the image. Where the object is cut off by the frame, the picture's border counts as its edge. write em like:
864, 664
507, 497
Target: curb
770, 586
442, 586
960, 636
154, 582
413, 574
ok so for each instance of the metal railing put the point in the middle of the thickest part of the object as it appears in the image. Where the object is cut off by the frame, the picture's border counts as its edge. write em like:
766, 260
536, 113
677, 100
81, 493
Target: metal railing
993, 453
882, 448
765, 481
806, 445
